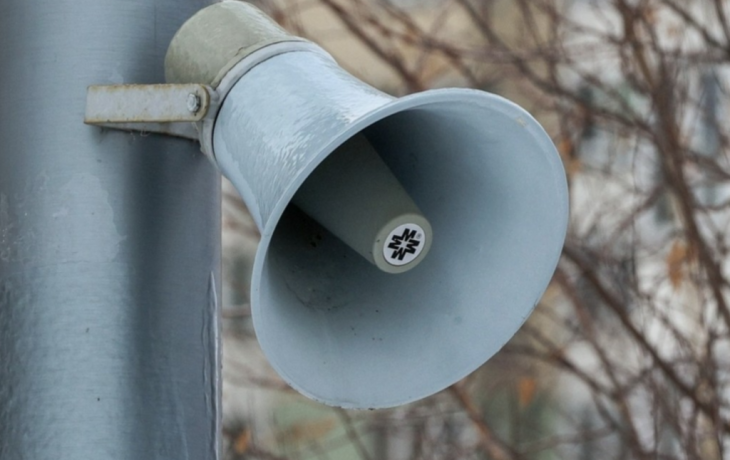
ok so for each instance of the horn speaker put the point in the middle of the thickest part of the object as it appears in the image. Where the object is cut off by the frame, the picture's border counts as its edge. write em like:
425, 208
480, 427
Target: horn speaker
404, 241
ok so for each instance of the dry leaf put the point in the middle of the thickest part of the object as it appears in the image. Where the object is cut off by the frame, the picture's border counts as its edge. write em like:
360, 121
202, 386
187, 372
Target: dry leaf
242, 441
676, 263
526, 389
566, 147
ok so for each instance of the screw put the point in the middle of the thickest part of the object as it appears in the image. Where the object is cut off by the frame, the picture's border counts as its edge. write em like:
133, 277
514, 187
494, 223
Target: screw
193, 103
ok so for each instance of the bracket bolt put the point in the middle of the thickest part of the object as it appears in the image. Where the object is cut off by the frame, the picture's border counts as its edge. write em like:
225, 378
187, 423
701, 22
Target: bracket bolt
193, 103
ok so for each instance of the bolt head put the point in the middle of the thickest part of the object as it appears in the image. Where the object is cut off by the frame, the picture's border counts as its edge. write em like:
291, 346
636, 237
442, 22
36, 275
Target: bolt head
193, 103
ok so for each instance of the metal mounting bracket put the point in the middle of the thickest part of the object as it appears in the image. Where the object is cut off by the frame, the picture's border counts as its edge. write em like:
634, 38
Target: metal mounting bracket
182, 110
171, 109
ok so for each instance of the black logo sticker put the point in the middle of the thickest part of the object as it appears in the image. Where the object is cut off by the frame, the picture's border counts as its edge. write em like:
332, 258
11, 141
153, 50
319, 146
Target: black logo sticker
405, 243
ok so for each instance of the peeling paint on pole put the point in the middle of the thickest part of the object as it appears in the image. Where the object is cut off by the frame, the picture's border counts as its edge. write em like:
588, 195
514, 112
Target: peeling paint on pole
109, 246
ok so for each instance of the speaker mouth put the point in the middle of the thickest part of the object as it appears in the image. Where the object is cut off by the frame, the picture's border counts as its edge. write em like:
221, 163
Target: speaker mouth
481, 169
490, 181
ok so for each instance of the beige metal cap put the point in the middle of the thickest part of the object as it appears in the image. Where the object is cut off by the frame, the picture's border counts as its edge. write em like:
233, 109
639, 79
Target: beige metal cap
217, 38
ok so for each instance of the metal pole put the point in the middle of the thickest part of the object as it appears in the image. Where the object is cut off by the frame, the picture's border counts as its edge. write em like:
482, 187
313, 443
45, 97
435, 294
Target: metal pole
109, 246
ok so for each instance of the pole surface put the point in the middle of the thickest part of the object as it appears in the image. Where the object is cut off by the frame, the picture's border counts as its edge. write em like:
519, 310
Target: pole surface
109, 246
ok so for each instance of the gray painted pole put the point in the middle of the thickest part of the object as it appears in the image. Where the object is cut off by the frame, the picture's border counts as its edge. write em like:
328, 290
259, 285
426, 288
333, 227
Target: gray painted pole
109, 246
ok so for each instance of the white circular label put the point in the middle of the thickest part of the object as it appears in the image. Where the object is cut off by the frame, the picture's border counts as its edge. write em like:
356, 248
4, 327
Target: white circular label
404, 244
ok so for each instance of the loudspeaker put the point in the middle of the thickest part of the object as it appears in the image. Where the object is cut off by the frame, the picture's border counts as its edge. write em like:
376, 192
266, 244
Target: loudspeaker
480, 170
